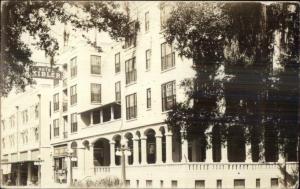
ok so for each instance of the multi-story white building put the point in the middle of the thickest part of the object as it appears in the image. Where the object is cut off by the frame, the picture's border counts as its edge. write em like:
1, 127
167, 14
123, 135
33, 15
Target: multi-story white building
121, 97
25, 136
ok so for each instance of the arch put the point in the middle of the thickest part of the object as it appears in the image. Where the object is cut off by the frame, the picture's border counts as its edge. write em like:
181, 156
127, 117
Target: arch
151, 145
196, 143
102, 152
74, 148
236, 144
149, 131
129, 137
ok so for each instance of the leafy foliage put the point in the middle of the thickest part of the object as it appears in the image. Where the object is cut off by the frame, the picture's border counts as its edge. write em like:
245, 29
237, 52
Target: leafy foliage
233, 48
37, 18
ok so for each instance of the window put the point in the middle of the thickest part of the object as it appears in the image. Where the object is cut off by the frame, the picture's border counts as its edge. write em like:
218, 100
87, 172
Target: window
161, 183
25, 116
117, 63
168, 95
73, 94
219, 183
74, 67
12, 121
274, 182
174, 183
95, 64
257, 183
36, 133
127, 183
95, 93
130, 70
74, 154
55, 82
167, 56
118, 91
74, 122
56, 127
148, 98
36, 111
131, 107
148, 59
56, 102
164, 15
146, 21
199, 183
137, 183
148, 183
239, 183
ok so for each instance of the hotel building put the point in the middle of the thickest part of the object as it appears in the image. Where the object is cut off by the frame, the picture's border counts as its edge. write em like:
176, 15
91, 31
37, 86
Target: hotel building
121, 96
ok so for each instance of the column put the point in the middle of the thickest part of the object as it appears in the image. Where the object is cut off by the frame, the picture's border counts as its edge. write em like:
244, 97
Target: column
126, 156
112, 113
29, 173
135, 151
91, 118
209, 153
248, 154
224, 156
169, 152
158, 149
69, 167
101, 116
184, 147
90, 161
112, 153
262, 157
144, 149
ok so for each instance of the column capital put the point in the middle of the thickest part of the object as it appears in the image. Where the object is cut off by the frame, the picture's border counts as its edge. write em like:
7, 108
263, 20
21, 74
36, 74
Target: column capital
112, 142
158, 136
143, 138
135, 138
169, 134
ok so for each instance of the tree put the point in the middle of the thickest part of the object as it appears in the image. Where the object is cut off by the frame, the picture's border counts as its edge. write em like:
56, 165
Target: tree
37, 18
233, 49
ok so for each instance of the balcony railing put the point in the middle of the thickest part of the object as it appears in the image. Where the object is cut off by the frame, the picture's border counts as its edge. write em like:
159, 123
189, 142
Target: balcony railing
195, 167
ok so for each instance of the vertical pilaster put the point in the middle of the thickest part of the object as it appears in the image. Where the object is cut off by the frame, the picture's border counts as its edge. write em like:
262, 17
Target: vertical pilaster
224, 156
144, 149
91, 118
112, 114
158, 149
101, 116
136, 151
248, 154
112, 153
184, 147
169, 152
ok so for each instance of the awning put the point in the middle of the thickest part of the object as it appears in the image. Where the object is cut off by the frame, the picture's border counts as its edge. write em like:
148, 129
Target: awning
20, 161
93, 108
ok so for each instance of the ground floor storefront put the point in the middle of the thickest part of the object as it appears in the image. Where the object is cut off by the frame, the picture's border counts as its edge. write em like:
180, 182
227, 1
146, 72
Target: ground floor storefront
21, 174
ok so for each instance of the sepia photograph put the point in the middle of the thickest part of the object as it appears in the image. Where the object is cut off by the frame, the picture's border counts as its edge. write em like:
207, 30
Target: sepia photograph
149, 94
